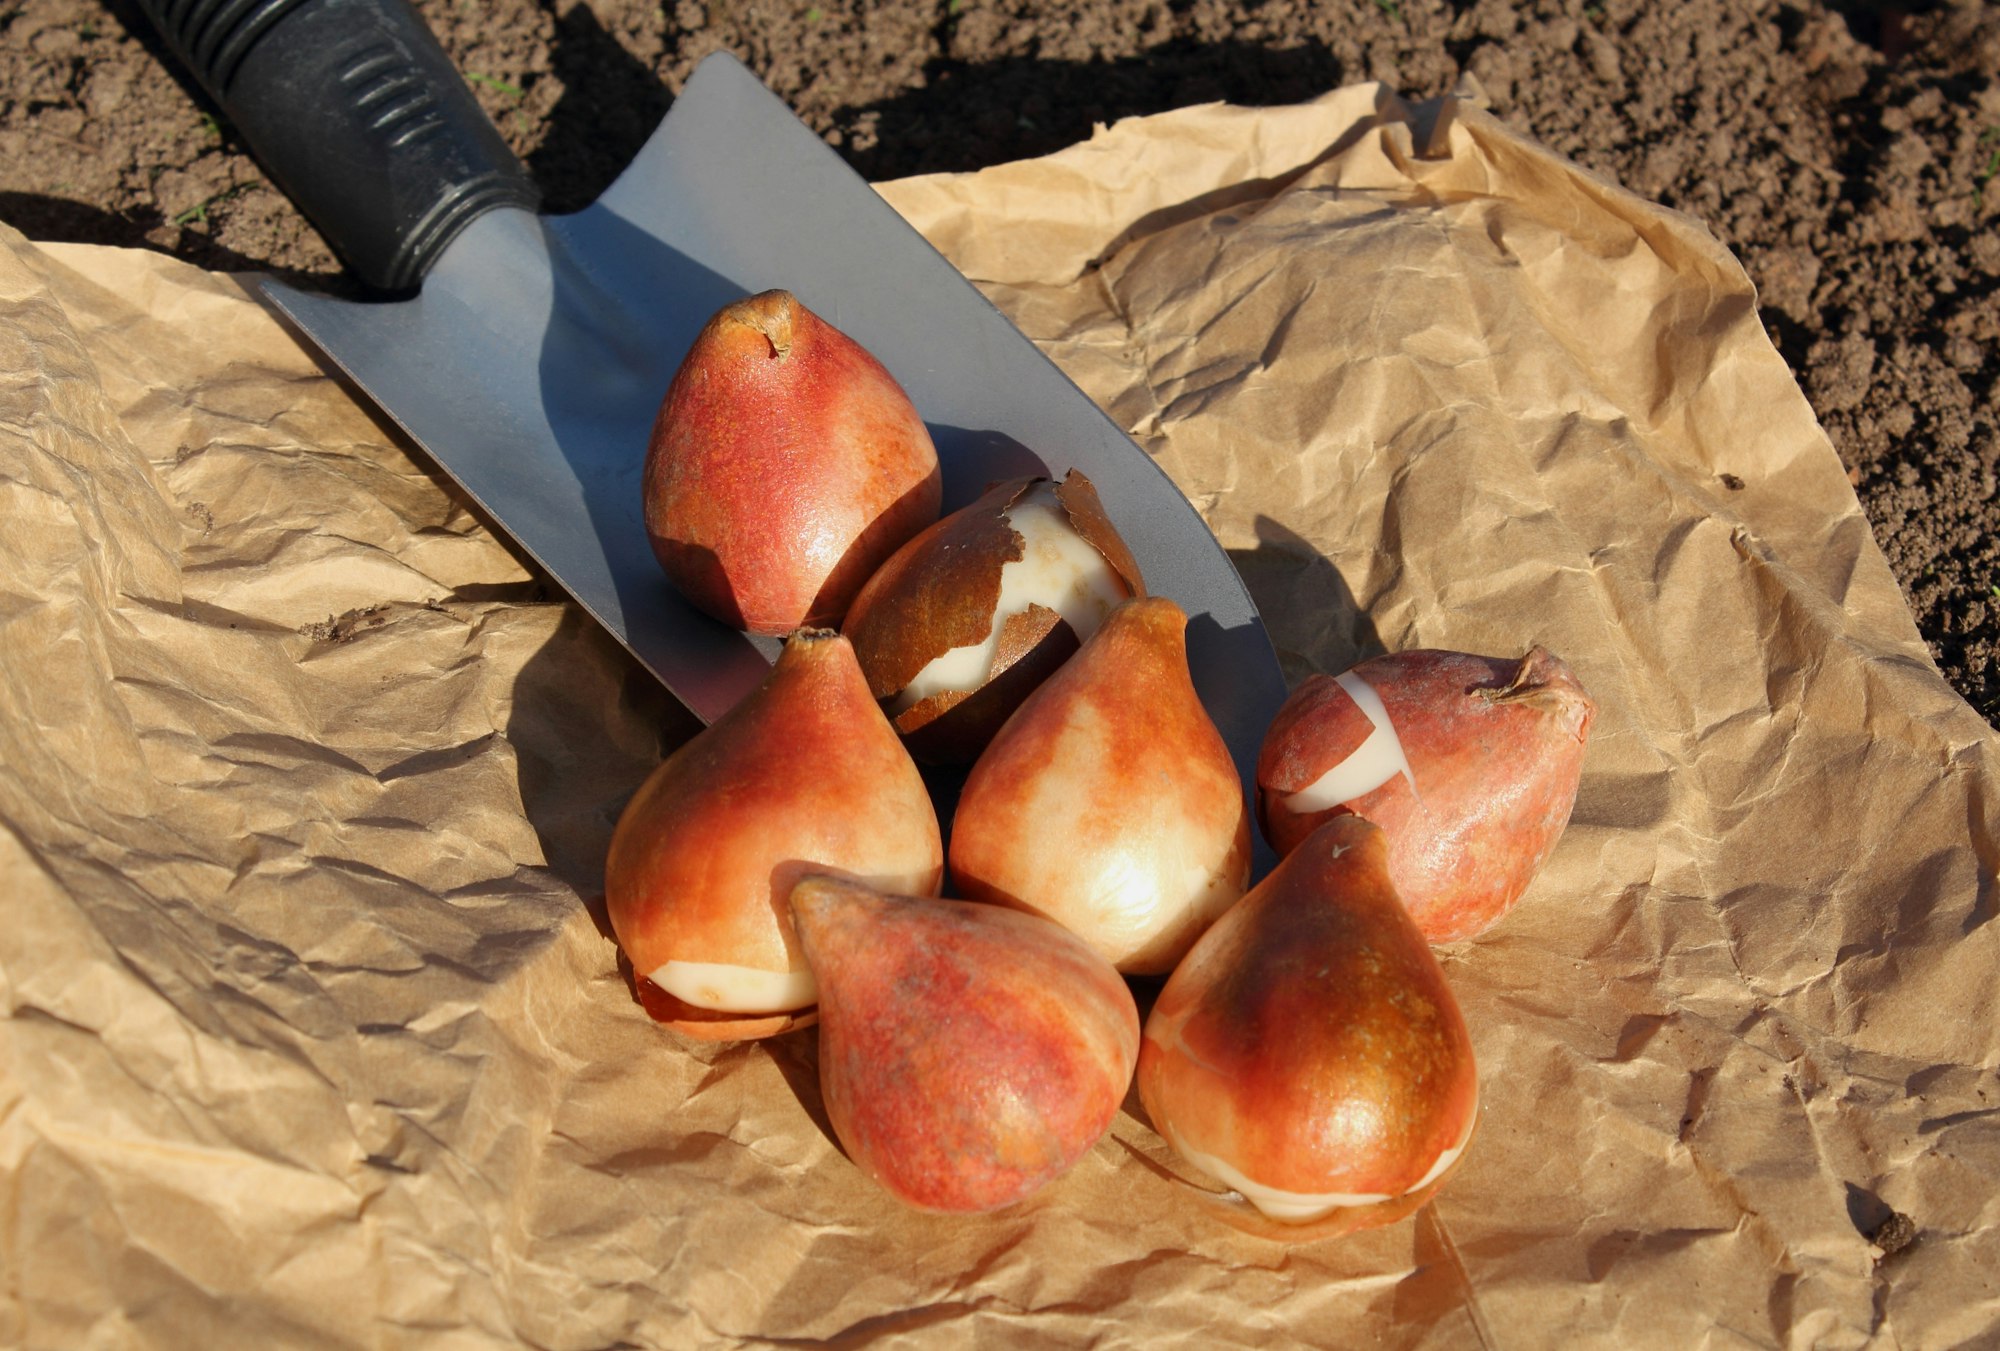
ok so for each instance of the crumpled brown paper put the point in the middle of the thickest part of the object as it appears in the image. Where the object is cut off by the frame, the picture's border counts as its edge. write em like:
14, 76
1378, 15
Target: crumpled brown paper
314, 1037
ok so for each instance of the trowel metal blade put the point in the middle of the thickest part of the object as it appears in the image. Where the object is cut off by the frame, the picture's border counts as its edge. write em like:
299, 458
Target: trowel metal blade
533, 360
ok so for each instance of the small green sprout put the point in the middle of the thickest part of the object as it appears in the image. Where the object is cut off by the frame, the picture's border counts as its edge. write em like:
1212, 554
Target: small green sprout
1986, 137
198, 213
512, 91
815, 14
1390, 8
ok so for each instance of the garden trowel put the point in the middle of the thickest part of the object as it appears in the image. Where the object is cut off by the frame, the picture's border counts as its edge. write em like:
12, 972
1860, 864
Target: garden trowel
528, 354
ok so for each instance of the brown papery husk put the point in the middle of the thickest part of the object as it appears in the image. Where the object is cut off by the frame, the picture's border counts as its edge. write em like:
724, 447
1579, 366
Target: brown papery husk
953, 726
935, 593
940, 591
1085, 509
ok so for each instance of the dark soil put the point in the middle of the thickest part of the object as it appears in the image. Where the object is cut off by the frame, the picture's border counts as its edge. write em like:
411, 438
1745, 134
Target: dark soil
1848, 152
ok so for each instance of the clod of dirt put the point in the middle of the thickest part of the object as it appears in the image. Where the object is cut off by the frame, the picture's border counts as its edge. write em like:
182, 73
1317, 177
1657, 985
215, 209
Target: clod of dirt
1897, 1233
344, 628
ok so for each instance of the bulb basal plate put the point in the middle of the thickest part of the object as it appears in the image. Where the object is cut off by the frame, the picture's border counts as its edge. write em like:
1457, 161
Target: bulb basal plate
723, 988
1299, 1207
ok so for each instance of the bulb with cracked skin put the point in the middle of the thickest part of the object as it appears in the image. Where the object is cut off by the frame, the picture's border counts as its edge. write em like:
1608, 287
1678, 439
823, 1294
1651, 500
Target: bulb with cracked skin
804, 775
965, 620
1470, 765
1307, 1053
968, 1053
1108, 801
784, 466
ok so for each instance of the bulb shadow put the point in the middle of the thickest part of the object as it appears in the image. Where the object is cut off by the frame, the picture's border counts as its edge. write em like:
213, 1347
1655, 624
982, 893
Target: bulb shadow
1315, 622
795, 1055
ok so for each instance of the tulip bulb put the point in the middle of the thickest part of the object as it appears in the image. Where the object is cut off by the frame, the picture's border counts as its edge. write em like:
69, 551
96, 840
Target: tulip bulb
1469, 764
804, 775
1307, 1052
785, 465
968, 1053
966, 619
1108, 801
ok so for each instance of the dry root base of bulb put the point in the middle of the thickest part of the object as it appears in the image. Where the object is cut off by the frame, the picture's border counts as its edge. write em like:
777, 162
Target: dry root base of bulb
1237, 1211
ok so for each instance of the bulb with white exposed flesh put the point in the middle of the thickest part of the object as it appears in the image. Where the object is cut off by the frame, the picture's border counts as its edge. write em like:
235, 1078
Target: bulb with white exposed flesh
803, 776
1307, 1053
965, 620
1469, 764
1108, 802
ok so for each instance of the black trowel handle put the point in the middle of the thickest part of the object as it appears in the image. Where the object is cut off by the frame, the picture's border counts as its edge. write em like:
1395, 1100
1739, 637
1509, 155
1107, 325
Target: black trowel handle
357, 113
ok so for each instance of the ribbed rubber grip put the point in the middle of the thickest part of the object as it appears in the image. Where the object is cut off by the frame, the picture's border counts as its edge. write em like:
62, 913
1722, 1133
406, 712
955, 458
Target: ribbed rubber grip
356, 112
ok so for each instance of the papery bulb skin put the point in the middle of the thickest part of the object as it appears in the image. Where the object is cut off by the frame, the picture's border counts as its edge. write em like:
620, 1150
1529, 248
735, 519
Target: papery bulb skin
1108, 801
968, 1053
1469, 764
805, 775
965, 620
785, 465
1307, 1052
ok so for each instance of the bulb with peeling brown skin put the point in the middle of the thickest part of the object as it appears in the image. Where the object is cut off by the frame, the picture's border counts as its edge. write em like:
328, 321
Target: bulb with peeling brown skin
965, 620
1307, 1053
1108, 801
785, 465
1469, 764
804, 775
968, 1054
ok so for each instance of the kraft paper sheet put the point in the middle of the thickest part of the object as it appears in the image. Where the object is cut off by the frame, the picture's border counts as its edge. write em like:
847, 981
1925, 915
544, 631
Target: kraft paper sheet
314, 1035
